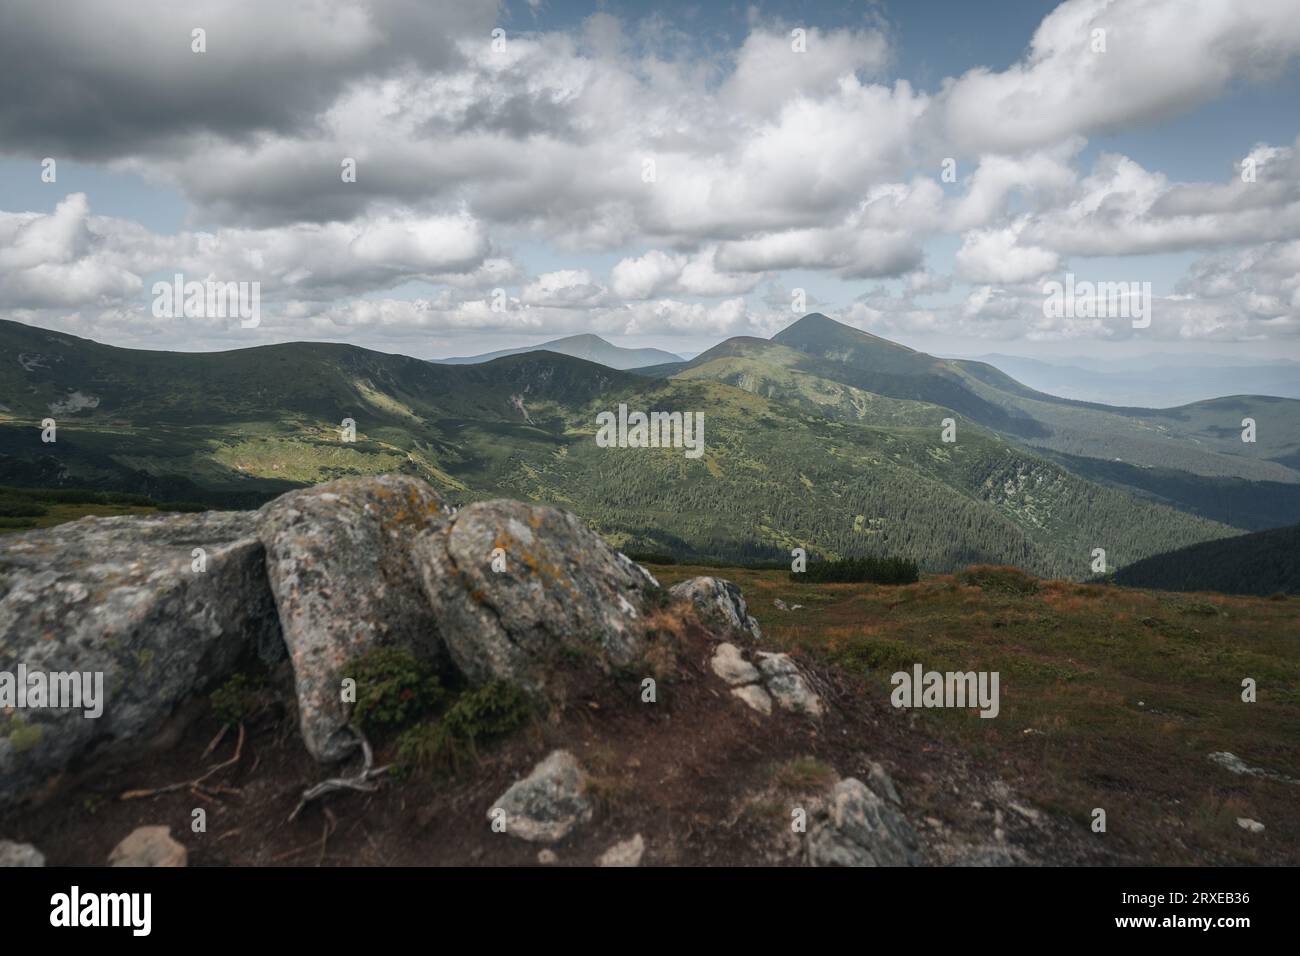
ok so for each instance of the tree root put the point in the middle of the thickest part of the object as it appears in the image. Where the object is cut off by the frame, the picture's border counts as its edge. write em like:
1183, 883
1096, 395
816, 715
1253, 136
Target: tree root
361, 782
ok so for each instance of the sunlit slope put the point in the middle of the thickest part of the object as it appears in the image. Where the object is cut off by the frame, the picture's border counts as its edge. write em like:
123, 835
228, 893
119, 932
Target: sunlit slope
777, 473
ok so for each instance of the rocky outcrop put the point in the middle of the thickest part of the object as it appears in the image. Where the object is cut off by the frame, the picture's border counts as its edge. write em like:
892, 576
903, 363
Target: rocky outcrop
728, 664
719, 602
787, 685
339, 561
151, 610
553, 586
856, 827
548, 804
776, 677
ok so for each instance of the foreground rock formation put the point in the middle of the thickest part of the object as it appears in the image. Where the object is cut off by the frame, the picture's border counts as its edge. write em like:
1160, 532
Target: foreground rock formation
150, 608
553, 583
661, 731
338, 558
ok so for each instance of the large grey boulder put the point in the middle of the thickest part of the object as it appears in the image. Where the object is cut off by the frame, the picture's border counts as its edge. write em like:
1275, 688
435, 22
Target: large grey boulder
720, 602
858, 828
339, 561
121, 598
554, 587
548, 804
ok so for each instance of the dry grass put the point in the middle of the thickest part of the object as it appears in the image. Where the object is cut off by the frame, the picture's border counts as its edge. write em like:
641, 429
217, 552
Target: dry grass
1110, 697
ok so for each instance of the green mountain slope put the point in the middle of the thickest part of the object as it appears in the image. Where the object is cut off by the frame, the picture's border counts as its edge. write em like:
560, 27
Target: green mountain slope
1191, 457
237, 427
1267, 562
590, 347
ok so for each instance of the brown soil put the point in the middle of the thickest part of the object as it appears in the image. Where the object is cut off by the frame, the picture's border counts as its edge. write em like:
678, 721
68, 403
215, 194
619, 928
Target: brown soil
697, 774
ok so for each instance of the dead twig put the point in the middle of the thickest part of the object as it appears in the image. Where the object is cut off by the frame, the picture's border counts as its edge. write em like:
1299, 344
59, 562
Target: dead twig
216, 742
361, 782
197, 785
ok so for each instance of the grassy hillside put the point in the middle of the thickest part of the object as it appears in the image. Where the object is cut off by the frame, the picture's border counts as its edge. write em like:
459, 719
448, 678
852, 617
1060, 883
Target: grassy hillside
1109, 698
235, 428
1267, 562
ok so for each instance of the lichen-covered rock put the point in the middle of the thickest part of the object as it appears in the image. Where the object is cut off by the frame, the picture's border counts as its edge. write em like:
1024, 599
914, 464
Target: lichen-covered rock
787, 686
19, 854
858, 828
755, 698
719, 601
626, 853
161, 606
882, 784
728, 664
149, 846
549, 803
339, 561
556, 586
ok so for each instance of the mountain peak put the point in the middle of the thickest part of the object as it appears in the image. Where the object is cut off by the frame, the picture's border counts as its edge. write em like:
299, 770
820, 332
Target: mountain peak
817, 333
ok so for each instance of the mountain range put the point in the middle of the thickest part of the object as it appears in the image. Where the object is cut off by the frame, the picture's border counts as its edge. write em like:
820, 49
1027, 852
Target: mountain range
590, 347
1152, 380
823, 437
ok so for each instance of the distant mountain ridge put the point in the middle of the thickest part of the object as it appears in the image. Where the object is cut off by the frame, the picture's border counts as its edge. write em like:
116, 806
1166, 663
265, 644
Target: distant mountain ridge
828, 439
590, 347
1129, 383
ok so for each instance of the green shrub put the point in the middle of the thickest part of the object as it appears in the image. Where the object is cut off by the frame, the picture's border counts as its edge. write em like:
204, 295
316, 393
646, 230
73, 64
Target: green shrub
650, 557
477, 716
21, 508
239, 699
1002, 580
394, 688
857, 570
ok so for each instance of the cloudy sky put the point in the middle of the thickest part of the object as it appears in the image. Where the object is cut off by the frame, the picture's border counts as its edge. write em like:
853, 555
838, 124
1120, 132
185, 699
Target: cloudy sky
661, 174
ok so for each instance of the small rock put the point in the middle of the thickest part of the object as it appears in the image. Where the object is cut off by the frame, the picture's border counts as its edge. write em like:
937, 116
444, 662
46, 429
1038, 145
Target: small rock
547, 857
149, 846
720, 600
1234, 764
627, 853
20, 854
755, 697
1254, 826
787, 685
549, 803
728, 664
882, 784
861, 829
